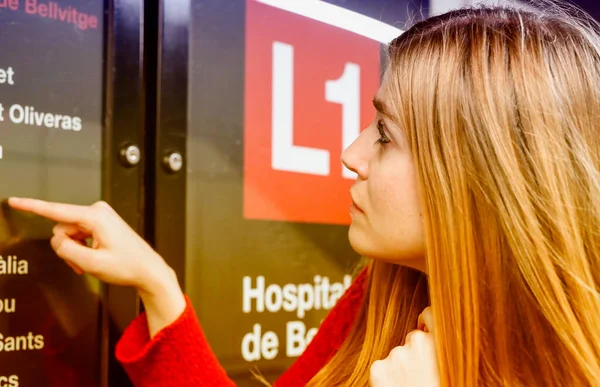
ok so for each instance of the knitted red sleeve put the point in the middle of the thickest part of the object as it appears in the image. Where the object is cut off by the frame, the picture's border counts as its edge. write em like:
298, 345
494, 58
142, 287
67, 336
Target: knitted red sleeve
179, 355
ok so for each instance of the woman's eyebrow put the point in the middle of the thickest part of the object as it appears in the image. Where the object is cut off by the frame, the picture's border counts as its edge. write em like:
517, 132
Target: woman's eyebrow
380, 106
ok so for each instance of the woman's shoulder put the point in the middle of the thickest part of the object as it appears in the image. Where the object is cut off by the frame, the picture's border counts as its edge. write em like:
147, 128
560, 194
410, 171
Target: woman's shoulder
346, 309
358, 286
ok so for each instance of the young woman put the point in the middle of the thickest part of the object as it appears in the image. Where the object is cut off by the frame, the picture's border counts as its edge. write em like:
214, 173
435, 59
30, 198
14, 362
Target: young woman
478, 192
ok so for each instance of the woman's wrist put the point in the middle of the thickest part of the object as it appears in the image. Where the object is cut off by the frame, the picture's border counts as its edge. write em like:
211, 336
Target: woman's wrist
157, 281
163, 299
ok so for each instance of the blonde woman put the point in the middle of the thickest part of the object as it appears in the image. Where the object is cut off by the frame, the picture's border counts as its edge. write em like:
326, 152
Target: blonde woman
478, 193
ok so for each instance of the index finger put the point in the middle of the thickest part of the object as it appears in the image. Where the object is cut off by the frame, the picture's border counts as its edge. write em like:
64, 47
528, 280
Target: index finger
59, 212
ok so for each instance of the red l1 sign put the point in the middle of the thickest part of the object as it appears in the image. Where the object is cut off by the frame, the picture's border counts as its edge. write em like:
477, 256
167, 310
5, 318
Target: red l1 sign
308, 92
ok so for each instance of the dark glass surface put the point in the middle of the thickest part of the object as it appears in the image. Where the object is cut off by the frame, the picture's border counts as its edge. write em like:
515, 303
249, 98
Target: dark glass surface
51, 98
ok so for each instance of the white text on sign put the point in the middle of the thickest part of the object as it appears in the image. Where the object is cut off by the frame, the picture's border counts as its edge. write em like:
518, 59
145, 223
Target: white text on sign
345, 90
9, 381
299, 298
7, 76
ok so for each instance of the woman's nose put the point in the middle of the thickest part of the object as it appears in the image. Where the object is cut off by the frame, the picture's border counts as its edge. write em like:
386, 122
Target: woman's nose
354, 158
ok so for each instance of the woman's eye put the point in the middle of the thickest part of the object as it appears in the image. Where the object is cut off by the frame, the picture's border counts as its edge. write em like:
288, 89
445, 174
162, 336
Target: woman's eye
383, 138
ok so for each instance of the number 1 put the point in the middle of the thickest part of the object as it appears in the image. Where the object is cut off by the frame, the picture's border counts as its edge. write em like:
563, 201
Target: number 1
346, 91
285, 156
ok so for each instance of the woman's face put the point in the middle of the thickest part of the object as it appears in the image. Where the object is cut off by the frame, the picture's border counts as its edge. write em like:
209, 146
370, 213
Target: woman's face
386, 212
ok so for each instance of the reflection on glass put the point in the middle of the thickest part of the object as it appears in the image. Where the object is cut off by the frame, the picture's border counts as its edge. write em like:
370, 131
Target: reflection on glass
49, 315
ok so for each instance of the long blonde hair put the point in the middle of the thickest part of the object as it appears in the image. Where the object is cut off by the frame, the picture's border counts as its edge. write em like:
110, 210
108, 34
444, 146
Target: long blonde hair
501, 107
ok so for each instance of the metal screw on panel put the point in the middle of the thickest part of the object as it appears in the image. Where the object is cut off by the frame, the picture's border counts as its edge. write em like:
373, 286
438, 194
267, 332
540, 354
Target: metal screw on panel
174, 162
131, 155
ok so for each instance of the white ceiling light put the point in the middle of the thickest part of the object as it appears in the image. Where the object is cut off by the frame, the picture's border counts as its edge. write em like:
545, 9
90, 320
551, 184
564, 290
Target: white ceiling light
338, 17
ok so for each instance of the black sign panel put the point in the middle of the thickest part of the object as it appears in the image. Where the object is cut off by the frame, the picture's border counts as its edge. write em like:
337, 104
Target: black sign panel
51, 93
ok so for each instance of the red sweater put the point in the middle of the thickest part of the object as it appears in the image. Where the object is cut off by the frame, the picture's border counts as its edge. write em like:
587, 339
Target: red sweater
179, 355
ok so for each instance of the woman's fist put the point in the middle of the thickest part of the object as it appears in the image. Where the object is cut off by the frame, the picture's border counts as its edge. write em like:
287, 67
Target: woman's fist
413, 364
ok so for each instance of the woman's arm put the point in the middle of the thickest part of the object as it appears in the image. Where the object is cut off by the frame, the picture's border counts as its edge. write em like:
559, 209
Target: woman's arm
165, 346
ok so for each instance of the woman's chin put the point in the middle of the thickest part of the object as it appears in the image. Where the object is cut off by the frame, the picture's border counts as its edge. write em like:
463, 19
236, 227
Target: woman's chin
359, 241
364, 246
